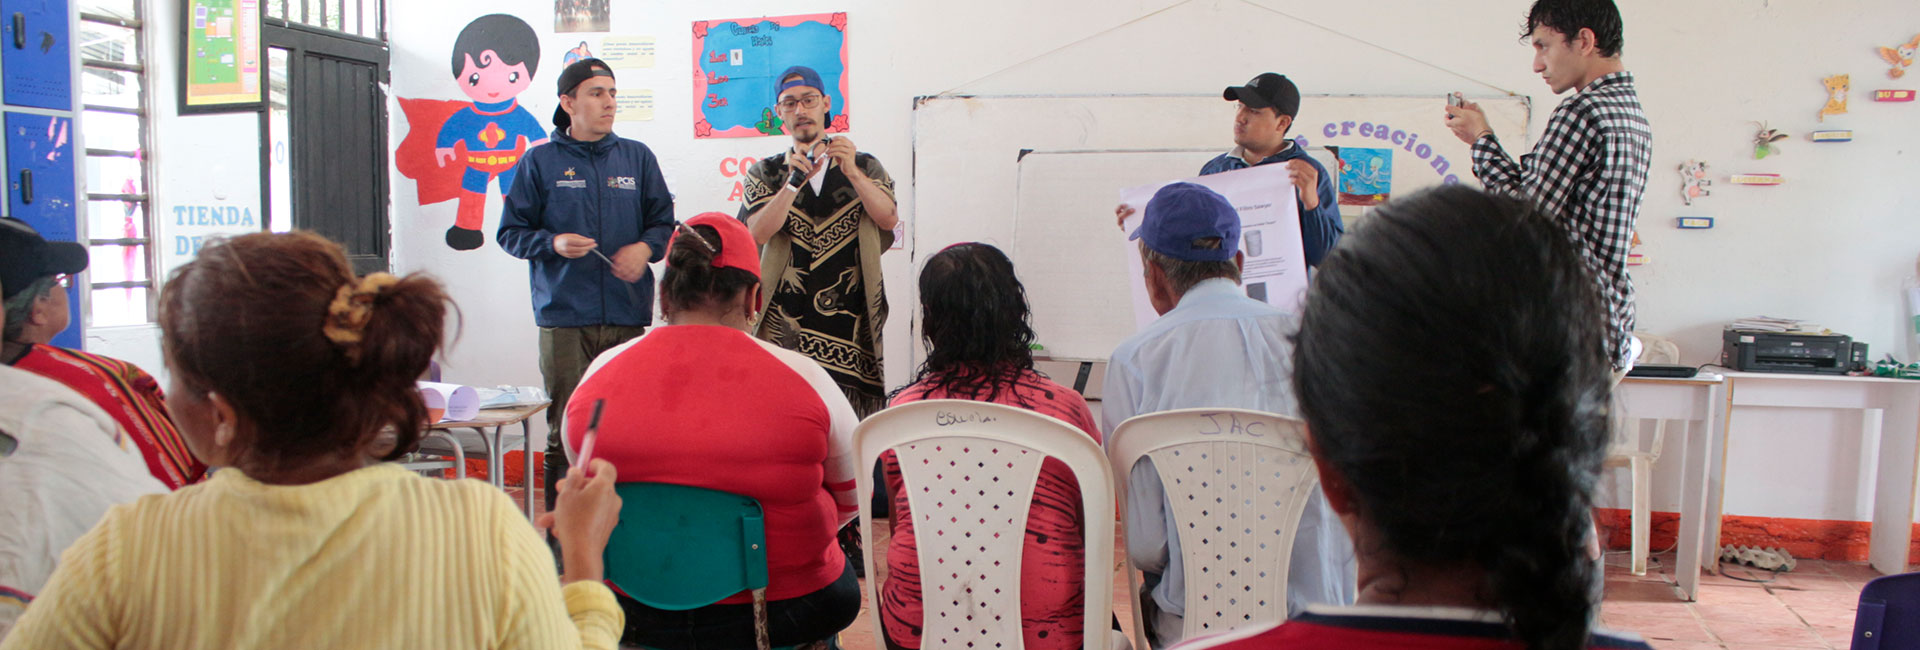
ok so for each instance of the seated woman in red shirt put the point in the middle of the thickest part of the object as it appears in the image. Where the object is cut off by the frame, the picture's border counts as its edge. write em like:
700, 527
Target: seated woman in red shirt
1452, 368
979, 348
700, 402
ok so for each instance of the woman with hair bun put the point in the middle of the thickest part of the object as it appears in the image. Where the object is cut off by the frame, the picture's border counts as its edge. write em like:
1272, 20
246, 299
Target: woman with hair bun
700, 402
1452, 369
296, 379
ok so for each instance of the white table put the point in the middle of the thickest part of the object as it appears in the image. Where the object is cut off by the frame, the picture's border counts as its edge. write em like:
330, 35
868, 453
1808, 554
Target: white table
1696, 400
1888, 407
491, 424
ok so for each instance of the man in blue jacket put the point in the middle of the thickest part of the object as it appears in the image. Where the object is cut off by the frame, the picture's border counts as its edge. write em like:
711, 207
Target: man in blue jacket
1267, 106
588, 211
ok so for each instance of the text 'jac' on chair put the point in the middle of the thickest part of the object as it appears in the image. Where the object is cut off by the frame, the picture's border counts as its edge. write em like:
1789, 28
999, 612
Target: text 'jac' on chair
1239, 482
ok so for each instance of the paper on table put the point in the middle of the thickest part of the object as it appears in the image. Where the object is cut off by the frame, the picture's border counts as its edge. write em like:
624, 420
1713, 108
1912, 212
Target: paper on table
1275, 269
453, 401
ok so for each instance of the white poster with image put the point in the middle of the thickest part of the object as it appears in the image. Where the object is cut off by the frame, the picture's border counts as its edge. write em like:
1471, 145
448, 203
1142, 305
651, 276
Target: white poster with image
1275, 270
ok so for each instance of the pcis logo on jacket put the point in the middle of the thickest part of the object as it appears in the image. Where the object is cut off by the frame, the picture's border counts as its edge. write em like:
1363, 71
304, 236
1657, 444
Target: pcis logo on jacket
576, 183
622, 183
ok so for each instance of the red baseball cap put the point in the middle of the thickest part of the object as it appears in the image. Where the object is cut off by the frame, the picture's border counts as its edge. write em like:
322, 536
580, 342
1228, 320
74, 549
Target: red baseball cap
737, 250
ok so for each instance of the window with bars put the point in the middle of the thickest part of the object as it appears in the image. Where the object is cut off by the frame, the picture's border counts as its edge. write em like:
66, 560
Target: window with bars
362, 18
114, 126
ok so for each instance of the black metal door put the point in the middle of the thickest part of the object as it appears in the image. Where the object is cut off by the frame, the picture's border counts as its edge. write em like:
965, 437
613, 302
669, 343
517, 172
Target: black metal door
337, 140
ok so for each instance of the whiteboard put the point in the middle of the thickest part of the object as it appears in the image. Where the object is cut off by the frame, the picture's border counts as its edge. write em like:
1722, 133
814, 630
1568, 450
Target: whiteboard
1078, 267
1038, 176
1068, 251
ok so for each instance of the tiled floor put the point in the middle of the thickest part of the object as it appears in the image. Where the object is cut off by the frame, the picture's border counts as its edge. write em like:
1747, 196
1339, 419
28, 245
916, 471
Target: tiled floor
1810, 607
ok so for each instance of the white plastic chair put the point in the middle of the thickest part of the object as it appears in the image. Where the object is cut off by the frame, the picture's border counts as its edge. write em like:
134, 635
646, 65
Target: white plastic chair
1624, 449
1239, 481
969, 469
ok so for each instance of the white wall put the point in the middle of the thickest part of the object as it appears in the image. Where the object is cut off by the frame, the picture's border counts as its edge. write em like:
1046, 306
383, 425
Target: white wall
1833, 245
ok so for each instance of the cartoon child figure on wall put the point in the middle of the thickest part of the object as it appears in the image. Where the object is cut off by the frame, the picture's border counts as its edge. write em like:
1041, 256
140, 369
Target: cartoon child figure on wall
494, 60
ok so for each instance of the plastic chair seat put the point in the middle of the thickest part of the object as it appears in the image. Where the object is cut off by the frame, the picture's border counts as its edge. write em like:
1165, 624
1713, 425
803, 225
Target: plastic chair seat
969, 469
1239, 482
1889, 613
679, 548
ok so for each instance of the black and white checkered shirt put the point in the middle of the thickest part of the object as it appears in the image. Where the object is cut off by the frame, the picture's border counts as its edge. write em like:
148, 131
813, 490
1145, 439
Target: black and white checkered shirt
1589, 171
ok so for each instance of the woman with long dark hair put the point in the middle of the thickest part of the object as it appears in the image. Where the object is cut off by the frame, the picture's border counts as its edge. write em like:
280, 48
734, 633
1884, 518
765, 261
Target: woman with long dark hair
979, 347
296, 378
1452, 368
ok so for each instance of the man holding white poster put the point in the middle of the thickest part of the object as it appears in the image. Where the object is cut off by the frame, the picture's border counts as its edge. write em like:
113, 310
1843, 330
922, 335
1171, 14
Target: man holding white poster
1274, 268
1266, 108
1213, 346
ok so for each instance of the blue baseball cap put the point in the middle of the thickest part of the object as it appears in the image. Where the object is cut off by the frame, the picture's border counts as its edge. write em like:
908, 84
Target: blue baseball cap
808, 78
1180, 215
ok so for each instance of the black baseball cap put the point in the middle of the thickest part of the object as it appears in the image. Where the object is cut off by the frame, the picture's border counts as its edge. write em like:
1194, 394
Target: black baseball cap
1269, 90
25, 256
571, 78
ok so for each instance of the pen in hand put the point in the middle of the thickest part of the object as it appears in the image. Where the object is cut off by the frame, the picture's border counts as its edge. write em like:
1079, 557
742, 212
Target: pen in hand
586, 442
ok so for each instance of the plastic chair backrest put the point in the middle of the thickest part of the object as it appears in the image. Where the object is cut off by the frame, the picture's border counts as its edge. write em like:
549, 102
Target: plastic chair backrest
969, 469
678, 547
1889, 613
1239, 481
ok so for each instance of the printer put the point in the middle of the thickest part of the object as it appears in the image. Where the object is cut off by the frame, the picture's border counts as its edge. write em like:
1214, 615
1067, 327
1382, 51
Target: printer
1793, 352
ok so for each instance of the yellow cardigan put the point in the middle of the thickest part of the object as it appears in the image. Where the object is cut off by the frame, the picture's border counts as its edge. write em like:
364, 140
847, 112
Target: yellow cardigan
374, 558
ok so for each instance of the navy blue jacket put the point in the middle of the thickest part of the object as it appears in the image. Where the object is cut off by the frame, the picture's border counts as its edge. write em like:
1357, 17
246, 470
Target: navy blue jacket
1320, 228
609, 190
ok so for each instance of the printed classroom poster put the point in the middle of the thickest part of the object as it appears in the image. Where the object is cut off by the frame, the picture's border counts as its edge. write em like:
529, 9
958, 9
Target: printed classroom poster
734, 63
1366, 176
222, 53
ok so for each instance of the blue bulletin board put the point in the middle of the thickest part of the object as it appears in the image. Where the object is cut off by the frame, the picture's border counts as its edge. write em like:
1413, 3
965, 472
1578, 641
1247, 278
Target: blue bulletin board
734, 62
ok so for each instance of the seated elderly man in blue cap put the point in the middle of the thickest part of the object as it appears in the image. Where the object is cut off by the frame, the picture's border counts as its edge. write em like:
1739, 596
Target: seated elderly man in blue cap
1212, 347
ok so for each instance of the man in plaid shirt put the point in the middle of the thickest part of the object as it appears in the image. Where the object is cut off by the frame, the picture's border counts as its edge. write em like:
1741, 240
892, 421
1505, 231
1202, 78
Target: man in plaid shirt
1590, 169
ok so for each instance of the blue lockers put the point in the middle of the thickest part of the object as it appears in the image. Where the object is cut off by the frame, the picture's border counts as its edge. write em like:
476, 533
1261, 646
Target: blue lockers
40, 190
36, 54
36, 72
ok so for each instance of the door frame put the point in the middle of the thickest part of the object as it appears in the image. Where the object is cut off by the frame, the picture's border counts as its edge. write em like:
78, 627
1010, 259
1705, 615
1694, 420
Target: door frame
300, 40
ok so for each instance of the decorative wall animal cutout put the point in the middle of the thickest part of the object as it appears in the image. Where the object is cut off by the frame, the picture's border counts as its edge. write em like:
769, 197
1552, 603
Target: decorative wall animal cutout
1837, 86
1900, 56
1693, 181
1764, 139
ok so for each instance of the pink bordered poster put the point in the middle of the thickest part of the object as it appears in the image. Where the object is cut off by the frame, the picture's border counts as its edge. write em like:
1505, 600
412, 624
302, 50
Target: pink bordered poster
734, 63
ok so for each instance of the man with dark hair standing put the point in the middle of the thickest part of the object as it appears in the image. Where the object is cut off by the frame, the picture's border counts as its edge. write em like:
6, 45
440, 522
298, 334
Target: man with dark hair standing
1590, 169
1267, 106
1212, 347
823, 213
588, 211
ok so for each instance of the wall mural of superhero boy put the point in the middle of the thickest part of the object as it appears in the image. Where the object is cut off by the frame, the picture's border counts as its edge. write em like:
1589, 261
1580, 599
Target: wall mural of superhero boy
474, 143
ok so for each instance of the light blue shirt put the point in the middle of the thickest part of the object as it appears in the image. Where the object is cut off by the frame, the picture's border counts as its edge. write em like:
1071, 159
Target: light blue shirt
1216, 348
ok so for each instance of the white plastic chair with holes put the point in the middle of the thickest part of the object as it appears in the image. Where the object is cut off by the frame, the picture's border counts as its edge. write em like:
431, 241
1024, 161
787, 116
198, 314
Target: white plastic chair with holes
1239, 481
969, 469
1624, 449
